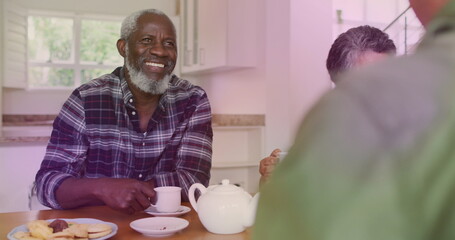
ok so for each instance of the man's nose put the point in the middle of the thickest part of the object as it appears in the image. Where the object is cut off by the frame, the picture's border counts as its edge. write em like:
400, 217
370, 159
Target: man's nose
157, 49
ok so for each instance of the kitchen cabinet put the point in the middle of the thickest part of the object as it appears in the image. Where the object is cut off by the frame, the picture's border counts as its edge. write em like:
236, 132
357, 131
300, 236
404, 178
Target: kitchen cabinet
19, 163
217, 35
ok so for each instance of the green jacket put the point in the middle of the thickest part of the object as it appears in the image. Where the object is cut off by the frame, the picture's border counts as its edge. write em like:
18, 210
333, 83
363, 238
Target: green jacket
375, 158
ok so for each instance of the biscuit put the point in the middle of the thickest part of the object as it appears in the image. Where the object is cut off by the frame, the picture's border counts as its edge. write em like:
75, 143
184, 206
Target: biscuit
78, 230
98, 230
39, 229
24, 236
61, 236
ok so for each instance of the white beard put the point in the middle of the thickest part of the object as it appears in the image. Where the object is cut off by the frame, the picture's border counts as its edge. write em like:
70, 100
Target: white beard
140, 80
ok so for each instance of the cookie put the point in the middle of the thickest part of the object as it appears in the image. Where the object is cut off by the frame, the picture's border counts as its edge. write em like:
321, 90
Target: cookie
98, 230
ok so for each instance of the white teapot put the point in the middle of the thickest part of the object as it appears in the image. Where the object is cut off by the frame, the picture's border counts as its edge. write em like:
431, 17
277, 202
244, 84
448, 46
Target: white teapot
225, 208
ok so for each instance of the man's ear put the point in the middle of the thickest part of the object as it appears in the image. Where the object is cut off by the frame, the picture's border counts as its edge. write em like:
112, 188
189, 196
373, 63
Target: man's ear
121, 47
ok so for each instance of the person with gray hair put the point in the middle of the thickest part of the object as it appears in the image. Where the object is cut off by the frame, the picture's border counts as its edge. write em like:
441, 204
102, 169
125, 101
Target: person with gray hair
359, 46
125, 133
356, 47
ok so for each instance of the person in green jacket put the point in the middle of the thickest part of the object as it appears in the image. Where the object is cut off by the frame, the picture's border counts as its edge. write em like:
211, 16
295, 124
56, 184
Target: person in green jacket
373, 159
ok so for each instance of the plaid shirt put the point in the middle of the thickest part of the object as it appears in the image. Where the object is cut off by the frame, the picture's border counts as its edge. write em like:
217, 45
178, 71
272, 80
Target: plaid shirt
97, 135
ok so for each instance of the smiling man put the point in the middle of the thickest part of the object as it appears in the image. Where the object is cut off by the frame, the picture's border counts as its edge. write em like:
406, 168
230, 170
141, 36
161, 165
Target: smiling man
122, 134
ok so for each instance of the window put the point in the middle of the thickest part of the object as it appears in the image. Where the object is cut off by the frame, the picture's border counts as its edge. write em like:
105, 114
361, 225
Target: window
65, 51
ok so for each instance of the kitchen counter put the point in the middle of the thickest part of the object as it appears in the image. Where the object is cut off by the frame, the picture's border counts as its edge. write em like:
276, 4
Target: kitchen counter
37, 128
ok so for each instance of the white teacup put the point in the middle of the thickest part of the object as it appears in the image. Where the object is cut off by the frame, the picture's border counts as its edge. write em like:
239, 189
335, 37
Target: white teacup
282, 155
168, 199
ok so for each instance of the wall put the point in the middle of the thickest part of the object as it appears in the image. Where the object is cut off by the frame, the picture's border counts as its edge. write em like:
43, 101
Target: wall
310, 44
18, 101
1, 54
277, 79
296, 75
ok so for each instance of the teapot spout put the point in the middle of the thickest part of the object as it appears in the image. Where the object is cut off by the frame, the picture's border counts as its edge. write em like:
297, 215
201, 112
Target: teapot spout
250, 213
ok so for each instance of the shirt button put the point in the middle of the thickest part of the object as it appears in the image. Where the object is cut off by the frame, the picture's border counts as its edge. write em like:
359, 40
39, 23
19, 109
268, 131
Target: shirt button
131, 100
133, 112
143, 144
140, 175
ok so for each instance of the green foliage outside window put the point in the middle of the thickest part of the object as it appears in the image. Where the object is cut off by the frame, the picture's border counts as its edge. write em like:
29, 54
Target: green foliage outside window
50, 50
50, 39
98, 42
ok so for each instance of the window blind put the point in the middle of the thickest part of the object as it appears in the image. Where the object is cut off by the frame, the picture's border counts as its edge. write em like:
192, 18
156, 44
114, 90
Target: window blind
15, 46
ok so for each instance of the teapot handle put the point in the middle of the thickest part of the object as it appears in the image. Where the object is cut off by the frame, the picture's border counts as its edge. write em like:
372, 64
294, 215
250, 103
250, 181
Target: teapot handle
191, 195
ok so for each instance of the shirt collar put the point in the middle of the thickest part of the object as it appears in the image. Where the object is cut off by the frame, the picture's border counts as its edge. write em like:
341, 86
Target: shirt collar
126, 93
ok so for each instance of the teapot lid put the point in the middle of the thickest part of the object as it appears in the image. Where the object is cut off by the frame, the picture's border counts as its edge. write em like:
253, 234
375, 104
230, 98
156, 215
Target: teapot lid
226, 187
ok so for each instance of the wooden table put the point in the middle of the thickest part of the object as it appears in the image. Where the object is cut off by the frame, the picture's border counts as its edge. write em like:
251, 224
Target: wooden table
195, 230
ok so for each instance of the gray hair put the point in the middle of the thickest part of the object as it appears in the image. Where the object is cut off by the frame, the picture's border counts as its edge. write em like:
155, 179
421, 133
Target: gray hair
129, 24
349, 46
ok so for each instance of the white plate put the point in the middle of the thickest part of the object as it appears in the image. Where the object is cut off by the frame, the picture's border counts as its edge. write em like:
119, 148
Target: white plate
182, 210
24, 228
159, 226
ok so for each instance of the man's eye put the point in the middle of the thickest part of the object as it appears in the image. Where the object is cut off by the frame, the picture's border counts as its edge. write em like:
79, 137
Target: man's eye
146, 40
169, 44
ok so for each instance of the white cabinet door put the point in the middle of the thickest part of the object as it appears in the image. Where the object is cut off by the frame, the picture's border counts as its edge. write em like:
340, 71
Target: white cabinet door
218, 35
187, 34
19, 163
212, 33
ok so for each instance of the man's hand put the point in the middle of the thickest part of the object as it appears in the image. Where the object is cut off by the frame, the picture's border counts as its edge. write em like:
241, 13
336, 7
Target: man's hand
127, 195
123, 194
267, 165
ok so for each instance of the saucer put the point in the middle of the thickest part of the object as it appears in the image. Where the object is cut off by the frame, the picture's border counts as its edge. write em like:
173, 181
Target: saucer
182, 210
159, 226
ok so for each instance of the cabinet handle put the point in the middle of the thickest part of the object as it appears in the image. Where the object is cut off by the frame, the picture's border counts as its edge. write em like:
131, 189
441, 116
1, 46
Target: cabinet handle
202, 56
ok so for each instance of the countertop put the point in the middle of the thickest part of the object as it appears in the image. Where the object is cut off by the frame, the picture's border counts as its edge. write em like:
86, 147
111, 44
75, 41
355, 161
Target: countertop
42, 123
